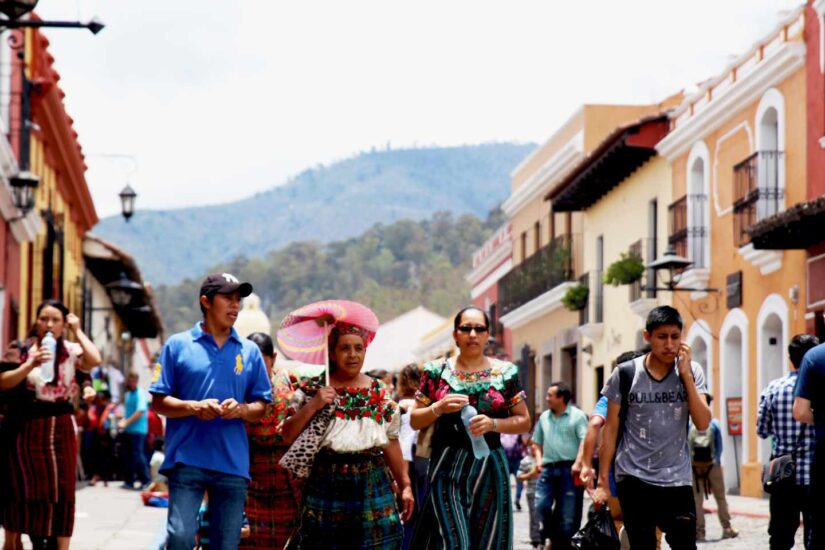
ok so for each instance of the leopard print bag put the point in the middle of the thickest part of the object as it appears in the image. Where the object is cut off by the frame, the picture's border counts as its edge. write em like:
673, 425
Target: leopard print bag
301, 454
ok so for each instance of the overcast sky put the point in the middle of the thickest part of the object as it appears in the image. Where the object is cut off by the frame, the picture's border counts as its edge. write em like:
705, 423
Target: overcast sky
218, 99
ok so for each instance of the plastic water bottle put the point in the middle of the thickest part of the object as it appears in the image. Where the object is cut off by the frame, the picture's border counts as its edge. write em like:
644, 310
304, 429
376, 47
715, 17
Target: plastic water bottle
47, 368
113, 426
480, 448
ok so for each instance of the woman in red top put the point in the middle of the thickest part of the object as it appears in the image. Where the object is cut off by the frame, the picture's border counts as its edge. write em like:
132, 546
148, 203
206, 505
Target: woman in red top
43, 454
272, 497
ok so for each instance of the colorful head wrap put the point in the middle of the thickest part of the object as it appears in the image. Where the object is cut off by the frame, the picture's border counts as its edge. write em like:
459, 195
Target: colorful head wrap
339, 329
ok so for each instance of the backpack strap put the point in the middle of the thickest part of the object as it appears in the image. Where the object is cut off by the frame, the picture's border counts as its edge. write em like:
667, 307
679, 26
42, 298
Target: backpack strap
626, 373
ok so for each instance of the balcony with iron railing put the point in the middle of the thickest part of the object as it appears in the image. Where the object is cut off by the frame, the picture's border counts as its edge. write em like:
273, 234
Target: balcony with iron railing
555, 263
758, 192
688, 233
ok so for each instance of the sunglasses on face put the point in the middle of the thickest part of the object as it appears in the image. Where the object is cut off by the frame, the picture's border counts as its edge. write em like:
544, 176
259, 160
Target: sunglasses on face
467, 329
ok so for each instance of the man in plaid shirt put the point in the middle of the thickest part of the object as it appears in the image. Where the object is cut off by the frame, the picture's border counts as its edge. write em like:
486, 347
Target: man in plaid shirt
776, 419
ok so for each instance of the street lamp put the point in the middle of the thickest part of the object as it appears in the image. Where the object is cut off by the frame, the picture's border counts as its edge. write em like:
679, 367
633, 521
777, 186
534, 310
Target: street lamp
23, 186
123, 290
127, 201
673, 262
15, 9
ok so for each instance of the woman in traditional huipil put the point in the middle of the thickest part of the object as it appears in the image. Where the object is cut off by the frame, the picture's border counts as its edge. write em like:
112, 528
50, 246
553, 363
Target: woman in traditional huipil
41, 494
468, 504
272, 497
348, 500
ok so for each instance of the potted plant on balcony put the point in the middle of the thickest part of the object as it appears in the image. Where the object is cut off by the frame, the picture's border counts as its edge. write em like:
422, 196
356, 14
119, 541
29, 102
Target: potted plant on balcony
624, 271
575, 298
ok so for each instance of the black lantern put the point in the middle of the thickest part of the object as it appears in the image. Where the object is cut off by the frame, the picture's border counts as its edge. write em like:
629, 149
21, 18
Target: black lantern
127, 201
672, 262
123, 290
23, 186
14, 9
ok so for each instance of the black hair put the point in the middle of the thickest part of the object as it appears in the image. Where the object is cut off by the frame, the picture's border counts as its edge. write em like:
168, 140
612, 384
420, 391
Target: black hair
57, 304
661, 316
62, 353
157, 444
264, 343
457, 320
209, 296
799, 346
562, 390
408, 380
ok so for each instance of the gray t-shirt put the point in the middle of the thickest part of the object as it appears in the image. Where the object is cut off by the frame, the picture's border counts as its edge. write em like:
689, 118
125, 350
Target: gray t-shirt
654, 447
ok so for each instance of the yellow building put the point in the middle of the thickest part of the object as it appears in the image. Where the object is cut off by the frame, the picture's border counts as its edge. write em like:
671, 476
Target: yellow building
52, 265
622, 190
546, 253
738, 153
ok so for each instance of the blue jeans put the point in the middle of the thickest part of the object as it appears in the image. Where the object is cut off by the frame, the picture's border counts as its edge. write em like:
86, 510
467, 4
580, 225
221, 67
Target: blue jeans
136, 465
559, 504
227, 494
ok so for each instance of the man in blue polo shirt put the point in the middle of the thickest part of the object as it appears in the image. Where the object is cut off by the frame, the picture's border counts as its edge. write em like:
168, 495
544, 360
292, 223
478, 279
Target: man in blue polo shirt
207, 382
809, 407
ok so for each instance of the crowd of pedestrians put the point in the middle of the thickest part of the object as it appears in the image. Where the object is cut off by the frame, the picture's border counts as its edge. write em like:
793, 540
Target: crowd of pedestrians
255, 457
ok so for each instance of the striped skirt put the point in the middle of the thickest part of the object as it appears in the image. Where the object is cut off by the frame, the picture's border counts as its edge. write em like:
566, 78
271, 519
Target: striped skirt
348, 503
42, 463
468, 505
271, 500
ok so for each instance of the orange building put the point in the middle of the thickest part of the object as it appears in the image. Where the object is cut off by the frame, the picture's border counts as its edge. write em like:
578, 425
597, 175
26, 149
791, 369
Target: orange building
738, 153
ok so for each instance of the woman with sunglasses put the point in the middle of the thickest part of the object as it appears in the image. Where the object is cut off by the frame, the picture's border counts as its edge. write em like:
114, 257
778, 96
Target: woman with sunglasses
457, 478
273, 495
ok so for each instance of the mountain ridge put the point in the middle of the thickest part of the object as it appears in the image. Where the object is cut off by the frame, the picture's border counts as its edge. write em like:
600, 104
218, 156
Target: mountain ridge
325, 203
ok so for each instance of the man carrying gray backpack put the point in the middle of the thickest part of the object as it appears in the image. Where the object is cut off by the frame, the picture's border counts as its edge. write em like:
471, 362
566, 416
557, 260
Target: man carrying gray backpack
708, 478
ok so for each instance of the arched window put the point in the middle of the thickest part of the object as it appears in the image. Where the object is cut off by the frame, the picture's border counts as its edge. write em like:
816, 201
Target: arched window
770, 145
698, 215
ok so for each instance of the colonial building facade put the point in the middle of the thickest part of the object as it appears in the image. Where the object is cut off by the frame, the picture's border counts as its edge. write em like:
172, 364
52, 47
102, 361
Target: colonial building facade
737, 149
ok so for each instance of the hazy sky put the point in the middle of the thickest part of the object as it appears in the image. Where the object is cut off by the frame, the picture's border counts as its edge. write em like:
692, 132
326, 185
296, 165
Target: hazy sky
218, 99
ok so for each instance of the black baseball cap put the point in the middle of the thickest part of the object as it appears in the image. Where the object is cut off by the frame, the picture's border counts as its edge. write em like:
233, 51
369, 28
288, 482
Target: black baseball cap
224, 283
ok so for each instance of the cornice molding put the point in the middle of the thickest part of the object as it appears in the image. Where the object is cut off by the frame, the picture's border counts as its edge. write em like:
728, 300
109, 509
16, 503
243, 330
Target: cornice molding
787, 59
493, 278
767, 261
697, 277
551, 171
541, 305
592, 331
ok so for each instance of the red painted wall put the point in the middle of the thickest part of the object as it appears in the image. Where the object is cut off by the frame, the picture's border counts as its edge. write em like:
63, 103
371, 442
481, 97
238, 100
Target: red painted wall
815, 106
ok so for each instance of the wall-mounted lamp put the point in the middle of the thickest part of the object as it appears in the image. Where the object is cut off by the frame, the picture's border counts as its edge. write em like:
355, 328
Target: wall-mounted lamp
673, 262
15, 9
23, 186
123, 291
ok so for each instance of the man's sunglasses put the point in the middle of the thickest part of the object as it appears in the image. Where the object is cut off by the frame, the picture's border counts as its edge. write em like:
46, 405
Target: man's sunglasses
467, 329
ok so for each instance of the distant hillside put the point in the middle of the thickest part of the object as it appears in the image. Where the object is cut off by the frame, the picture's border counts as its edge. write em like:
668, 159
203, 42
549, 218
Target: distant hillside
390, 268
321, 204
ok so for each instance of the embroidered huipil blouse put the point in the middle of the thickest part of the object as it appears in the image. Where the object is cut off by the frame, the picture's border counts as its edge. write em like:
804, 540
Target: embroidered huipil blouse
492, 391
362, 419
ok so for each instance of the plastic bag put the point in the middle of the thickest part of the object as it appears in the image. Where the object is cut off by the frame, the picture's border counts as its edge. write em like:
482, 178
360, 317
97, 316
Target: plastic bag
598, 534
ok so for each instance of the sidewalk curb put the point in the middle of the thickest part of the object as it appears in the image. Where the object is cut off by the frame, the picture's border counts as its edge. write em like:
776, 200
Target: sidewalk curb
756, 515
